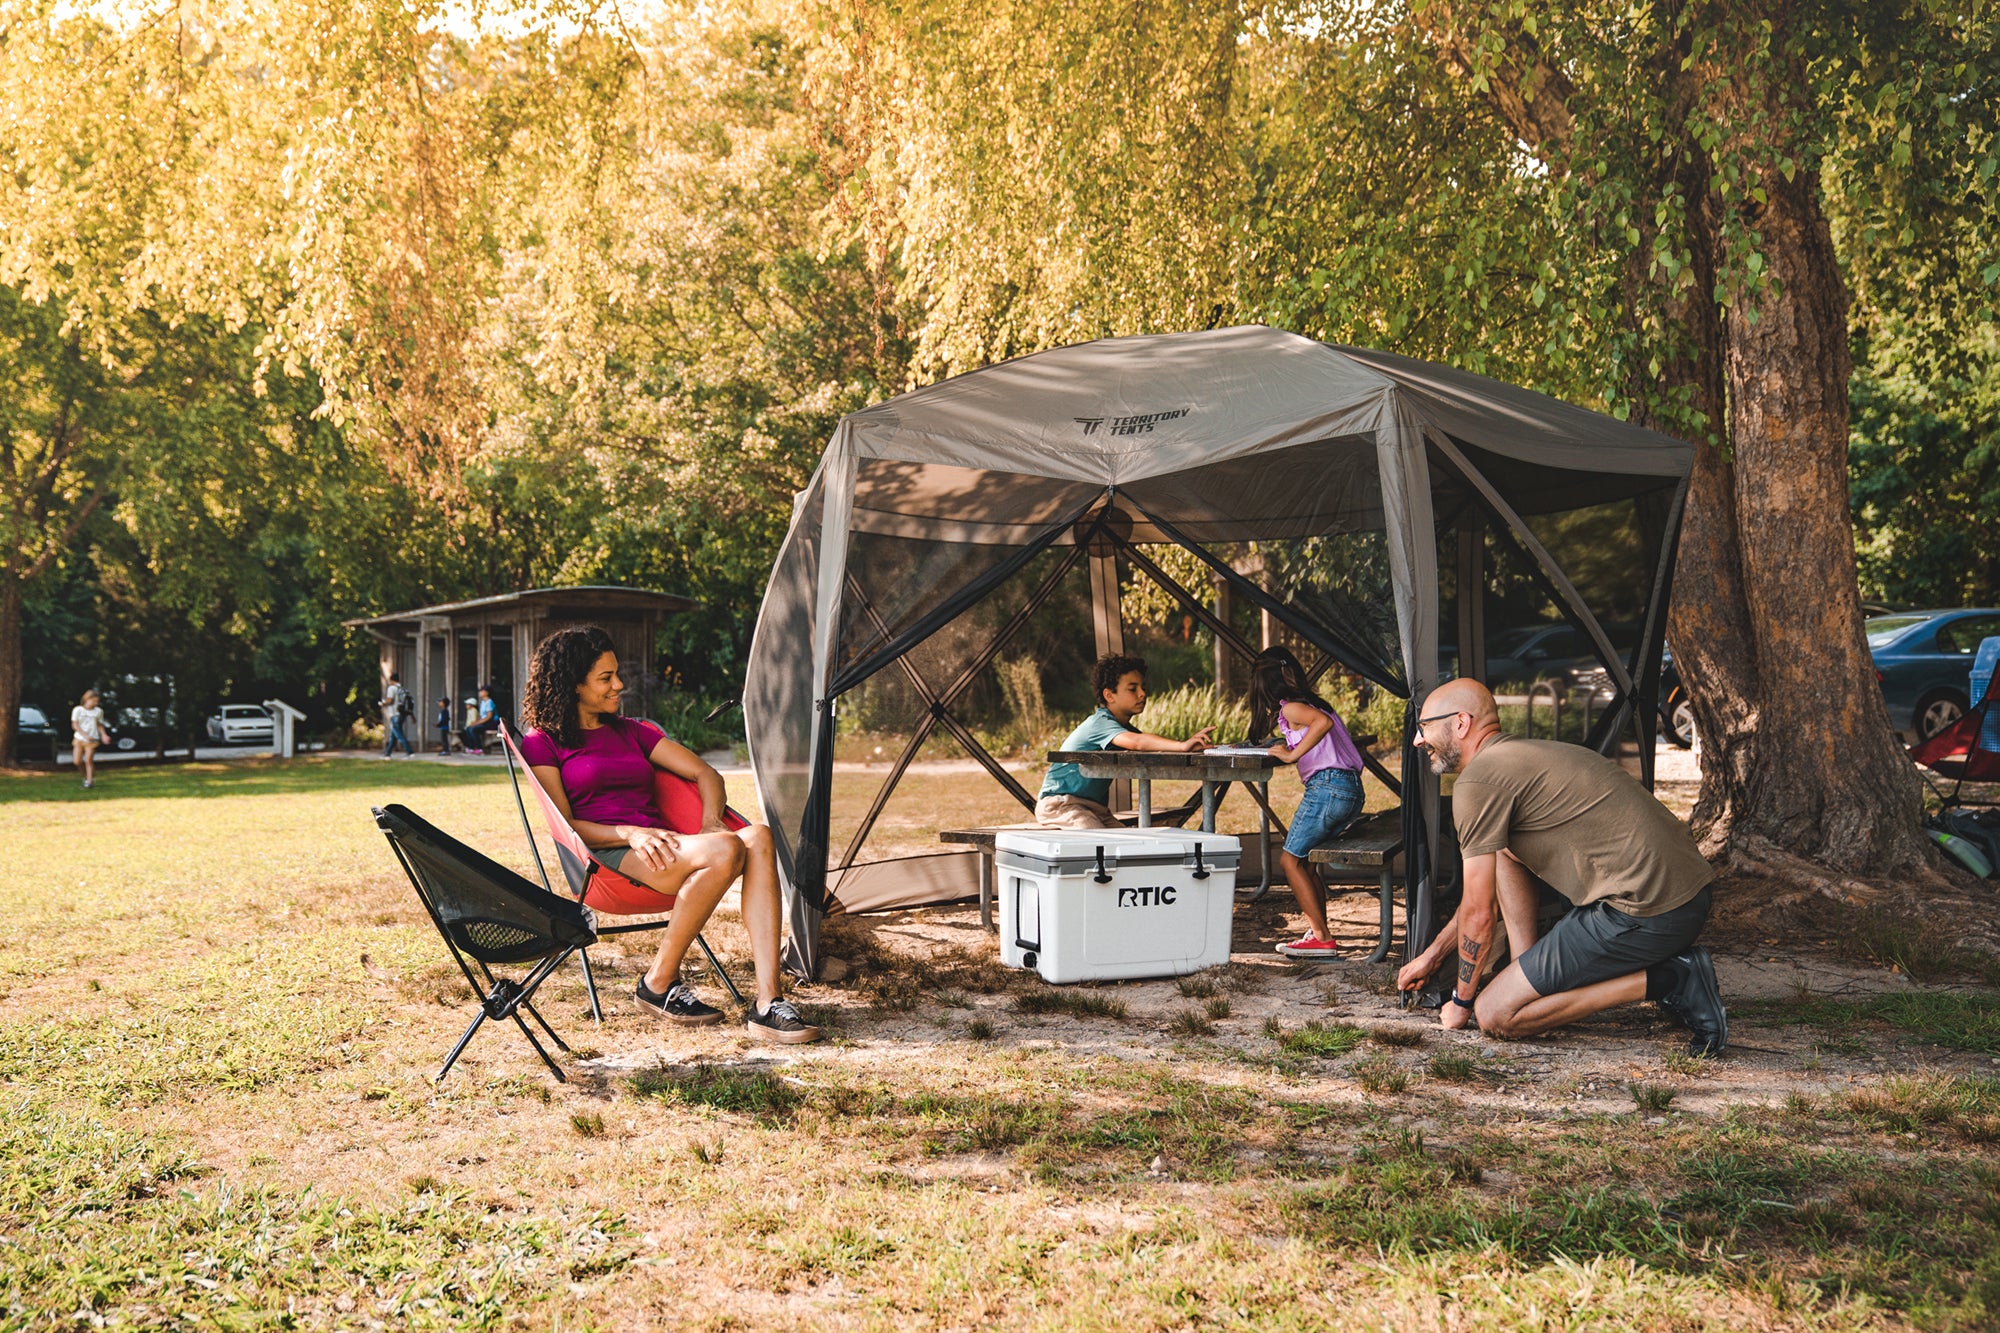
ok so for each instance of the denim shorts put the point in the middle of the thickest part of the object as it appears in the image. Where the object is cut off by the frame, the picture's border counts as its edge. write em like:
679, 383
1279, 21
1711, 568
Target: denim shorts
1332, 800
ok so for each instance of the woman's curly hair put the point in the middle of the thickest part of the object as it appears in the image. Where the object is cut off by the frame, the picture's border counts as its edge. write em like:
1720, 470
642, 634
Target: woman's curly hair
560, 664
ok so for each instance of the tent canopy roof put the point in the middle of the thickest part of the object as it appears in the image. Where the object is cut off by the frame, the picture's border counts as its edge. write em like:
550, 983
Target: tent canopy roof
1119, 410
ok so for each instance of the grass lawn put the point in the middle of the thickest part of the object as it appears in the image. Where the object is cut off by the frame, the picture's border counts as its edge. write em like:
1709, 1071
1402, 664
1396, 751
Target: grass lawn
220, 1006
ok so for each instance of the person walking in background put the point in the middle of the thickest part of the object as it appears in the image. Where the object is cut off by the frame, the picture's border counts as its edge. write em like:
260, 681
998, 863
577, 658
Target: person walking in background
475, 734
397, 708
442, 722
1330, 766
87, 732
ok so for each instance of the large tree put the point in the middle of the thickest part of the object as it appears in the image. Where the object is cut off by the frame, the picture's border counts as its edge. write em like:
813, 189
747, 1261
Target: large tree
1701, 141
1612, 201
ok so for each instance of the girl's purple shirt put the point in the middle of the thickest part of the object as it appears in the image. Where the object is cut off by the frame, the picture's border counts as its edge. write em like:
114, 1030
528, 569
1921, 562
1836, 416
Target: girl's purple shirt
1336, 749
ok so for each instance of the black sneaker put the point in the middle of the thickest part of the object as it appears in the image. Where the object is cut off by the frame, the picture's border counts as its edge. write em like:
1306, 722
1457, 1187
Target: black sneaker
1697, 1004
678, 1003
781, 1022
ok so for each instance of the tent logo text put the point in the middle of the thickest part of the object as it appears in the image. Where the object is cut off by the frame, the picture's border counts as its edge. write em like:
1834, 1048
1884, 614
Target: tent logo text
1139, 425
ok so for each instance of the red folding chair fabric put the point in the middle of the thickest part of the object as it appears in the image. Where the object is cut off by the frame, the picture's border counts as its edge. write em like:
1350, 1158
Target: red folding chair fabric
1956, 752
601, 888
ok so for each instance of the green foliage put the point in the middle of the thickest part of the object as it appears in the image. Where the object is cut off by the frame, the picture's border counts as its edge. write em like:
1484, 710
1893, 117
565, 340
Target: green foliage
1186, 709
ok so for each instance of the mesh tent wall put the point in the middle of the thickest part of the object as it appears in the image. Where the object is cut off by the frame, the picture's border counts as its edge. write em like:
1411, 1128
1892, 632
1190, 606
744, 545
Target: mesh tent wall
1066, 461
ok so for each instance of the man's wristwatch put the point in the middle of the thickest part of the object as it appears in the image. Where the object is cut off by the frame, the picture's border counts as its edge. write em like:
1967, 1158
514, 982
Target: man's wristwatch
1463, 1004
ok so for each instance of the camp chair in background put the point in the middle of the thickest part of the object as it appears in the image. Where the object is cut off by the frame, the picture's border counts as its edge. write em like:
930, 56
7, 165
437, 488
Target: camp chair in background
492, 916
599, 887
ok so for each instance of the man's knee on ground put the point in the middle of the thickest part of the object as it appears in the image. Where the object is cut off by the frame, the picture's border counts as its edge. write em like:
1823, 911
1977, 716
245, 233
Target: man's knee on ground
1496, 1017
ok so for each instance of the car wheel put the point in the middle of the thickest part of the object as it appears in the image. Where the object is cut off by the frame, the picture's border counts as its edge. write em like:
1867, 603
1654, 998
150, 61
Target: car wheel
1681, 724
1935, 712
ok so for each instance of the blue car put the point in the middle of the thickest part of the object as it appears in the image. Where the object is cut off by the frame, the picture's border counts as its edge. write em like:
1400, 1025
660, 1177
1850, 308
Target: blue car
1924, 661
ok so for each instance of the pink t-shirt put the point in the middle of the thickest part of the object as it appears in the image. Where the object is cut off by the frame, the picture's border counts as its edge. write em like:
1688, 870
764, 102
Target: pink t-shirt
609, 778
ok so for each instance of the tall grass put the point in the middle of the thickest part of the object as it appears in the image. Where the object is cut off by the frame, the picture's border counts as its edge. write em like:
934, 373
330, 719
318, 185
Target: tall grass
1186, 709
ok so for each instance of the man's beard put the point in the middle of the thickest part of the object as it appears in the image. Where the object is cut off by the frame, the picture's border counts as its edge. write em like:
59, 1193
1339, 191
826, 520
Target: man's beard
1445, 756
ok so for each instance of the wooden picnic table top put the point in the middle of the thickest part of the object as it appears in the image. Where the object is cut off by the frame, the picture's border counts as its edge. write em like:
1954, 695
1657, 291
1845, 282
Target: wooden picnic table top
982, 837
1198, 764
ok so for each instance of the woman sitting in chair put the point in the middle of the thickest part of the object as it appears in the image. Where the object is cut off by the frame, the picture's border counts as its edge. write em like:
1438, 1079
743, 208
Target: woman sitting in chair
598, 768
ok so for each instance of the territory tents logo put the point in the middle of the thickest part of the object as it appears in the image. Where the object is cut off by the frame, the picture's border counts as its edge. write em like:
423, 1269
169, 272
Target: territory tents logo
1139, 425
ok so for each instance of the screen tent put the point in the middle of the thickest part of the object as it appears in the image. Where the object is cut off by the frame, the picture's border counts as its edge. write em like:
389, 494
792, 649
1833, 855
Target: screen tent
941, 523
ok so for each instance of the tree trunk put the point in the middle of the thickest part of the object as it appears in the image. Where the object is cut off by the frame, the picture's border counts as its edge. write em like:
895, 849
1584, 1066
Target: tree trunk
1803, 781
1829, 781
10, 668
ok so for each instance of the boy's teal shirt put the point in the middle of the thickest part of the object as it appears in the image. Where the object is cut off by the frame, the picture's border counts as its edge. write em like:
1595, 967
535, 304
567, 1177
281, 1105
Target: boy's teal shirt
1094, 733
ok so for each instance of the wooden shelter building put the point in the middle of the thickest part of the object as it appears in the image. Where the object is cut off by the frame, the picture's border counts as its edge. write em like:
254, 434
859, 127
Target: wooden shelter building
450, 650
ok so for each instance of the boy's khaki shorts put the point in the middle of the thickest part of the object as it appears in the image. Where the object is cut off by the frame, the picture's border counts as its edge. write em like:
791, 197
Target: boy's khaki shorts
1073, 812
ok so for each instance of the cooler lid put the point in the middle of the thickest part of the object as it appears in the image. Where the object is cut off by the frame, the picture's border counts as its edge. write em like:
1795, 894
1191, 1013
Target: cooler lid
1124, 844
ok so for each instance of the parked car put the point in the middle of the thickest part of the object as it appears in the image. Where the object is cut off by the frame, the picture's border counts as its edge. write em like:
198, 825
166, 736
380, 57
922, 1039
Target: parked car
35, 735
139, 729
1924, 660
242, 724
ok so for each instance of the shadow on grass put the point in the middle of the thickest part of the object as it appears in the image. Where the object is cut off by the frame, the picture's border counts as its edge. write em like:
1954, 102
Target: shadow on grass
303, 776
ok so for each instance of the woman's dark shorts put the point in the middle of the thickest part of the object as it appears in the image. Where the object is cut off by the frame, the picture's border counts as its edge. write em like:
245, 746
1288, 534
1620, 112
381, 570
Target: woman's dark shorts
1598, 942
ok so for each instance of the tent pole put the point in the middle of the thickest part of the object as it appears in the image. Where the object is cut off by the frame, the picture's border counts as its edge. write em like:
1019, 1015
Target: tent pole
1107, 620
1471, 596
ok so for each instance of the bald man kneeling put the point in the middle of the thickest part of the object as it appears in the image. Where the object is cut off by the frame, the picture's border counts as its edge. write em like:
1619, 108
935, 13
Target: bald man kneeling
1637, 885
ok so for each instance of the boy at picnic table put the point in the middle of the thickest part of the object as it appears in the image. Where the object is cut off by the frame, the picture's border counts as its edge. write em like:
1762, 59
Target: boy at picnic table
1068, 799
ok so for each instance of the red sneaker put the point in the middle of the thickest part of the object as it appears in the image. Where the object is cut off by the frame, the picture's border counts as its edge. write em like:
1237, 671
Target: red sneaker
1308, 947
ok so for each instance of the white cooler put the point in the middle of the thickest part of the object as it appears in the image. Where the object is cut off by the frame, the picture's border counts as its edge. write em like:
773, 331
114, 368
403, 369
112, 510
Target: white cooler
1079, 905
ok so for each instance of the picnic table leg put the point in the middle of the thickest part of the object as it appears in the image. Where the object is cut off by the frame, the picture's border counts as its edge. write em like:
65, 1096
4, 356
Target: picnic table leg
1388, 912
985, 890
1266, 817
1145, 802
1211, 796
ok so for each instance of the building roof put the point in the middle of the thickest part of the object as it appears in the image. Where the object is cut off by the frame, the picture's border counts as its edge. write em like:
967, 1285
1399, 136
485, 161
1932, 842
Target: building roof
585, 598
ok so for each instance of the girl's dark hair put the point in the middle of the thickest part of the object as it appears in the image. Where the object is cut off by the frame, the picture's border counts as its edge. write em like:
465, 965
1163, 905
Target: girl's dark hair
1275, 677
560, 664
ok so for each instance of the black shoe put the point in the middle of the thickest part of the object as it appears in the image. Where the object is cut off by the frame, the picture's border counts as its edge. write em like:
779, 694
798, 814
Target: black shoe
1697, 1004
678, 1003
781, 1022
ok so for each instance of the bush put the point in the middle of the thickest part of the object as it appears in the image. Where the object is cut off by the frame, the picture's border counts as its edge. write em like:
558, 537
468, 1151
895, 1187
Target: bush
681, 717
1186, 709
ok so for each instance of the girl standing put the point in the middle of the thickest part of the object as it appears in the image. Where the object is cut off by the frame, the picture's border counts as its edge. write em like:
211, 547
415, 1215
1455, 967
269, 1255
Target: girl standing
87, 732
1329, 764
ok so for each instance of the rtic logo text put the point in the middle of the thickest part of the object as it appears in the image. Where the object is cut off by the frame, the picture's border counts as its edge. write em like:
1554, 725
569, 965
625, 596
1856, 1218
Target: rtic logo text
1150, 895
1139, 425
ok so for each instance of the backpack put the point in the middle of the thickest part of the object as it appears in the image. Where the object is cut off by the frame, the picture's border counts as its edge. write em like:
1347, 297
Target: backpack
1981, 828
404, 707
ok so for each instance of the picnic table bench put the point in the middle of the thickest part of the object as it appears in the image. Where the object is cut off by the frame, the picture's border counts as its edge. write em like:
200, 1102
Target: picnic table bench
1371, 842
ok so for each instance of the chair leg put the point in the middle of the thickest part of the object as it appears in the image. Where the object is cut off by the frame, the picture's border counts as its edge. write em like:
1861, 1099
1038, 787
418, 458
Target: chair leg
536, 1014
459, 1049
716, 963
590, 987
528, 1032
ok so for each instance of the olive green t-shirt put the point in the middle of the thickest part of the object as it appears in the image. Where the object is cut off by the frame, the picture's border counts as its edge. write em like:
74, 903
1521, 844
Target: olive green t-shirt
1580, 822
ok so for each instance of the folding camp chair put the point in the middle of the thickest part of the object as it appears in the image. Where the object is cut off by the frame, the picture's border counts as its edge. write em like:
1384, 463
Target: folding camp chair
596, 885
492, 916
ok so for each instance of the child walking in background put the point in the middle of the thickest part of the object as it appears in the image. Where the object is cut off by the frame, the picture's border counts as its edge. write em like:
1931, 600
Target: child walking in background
443, 724
1330, 766
87, 731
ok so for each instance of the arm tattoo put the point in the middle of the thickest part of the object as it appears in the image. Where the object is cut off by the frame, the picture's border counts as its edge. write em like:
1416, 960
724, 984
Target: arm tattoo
1468, 961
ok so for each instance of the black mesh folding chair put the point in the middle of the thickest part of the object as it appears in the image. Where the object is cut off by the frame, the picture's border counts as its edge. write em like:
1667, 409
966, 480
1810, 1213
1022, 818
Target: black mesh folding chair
492, 917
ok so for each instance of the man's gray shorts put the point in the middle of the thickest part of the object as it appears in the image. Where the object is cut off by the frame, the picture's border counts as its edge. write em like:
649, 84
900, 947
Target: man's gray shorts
1598, 942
